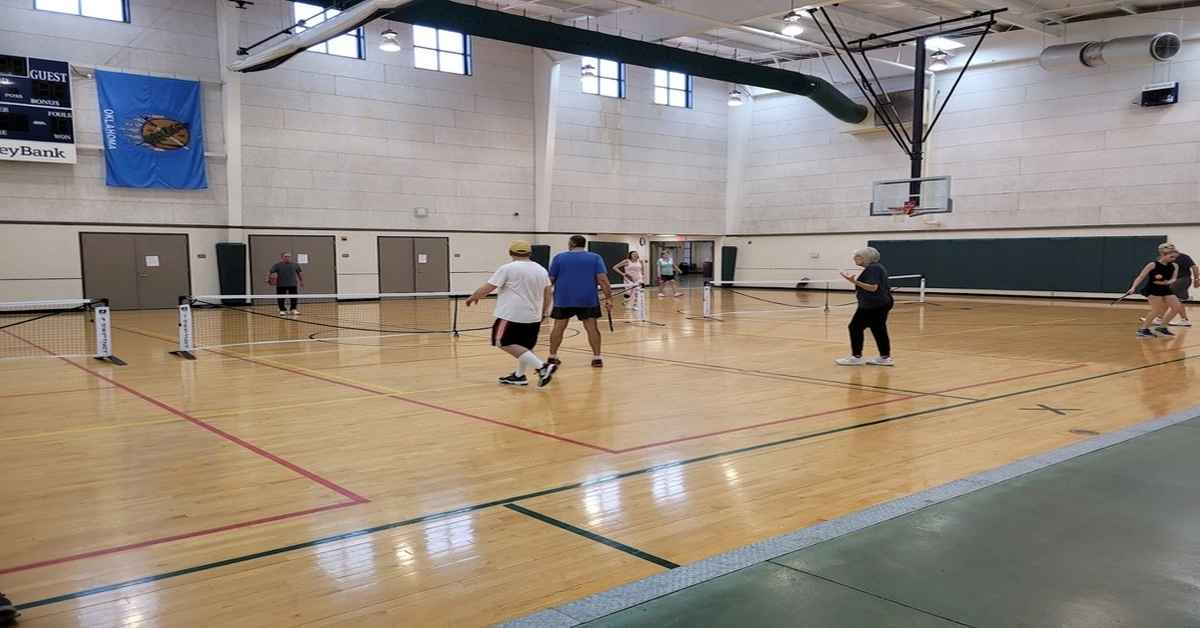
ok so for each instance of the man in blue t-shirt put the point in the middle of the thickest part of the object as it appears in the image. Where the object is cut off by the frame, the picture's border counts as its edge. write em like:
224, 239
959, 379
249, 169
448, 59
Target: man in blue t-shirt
575, 274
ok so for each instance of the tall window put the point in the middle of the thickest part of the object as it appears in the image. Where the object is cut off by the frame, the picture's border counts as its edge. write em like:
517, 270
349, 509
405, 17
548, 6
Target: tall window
348, 45
672, 88
602, 77
115, 10
444, 51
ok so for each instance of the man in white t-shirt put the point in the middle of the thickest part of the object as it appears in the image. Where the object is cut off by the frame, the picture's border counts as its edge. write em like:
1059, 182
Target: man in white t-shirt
523, 299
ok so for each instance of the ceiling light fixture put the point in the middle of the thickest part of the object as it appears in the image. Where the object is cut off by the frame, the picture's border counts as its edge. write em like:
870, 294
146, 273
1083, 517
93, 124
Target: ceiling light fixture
588, 71
940, 61
736, 99
943, 44
390, 41
791, 24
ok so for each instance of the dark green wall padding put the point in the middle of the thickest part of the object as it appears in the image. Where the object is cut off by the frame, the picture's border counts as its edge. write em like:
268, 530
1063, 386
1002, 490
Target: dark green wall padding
613, 253
1097, 264
542, 34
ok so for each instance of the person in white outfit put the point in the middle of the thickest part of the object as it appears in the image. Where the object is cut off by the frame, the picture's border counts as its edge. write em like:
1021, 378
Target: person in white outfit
522, 302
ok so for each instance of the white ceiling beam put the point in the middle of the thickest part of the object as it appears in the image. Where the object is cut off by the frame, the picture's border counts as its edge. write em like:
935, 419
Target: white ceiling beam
724, 24
1015, 16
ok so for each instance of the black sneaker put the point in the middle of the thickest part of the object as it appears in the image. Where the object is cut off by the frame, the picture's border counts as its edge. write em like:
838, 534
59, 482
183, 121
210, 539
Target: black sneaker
1145, 333
8, 612
554, 361
512, 379
1163, 331
546, 373
597, 363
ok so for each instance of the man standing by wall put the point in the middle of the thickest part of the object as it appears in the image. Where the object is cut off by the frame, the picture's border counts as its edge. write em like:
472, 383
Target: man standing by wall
287, 279
576, 274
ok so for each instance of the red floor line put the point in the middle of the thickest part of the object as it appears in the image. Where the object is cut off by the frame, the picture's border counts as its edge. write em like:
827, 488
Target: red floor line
175, 537
344, 492
424, 404
828, 412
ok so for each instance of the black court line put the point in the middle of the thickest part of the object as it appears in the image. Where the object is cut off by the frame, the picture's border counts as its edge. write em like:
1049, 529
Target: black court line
592, 536
871, 594
782, 376
569, 487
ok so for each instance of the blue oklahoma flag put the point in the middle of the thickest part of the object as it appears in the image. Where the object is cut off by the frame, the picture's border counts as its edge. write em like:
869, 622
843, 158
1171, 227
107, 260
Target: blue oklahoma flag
152, 131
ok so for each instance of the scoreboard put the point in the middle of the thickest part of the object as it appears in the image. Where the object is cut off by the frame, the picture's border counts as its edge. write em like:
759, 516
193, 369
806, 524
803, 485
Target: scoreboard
36, 119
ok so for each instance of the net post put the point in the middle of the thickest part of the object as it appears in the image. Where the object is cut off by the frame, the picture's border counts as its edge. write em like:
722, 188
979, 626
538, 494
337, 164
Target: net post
827, 287
708, 299
923, 289
187, 338
454, 325
102, 321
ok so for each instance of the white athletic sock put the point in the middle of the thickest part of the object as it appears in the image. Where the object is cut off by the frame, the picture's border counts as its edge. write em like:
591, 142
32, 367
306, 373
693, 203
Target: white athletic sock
528, 361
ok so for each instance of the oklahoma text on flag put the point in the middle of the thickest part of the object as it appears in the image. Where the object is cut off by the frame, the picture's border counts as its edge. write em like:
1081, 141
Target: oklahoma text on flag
152, 131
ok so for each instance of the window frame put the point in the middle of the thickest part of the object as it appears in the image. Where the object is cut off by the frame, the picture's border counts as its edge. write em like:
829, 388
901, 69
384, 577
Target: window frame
359, 34
466, 54
125, 12
688, 89
620, 78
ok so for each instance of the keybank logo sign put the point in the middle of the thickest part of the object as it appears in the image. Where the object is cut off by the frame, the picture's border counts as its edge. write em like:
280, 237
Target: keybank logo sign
11, 150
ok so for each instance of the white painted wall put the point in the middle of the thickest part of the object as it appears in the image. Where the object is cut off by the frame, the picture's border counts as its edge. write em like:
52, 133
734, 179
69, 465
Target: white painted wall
332, 145
1025, 148
336, 142
150, 45
629, 165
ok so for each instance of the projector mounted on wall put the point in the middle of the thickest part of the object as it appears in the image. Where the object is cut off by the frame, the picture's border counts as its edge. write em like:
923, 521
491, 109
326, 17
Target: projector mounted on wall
1160, 94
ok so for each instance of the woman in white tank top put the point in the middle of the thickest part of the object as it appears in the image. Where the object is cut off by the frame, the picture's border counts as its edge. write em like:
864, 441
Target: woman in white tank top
632, 270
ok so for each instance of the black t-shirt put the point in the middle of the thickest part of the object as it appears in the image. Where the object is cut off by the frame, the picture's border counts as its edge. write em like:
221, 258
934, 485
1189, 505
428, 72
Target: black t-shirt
1185, 265
874, 274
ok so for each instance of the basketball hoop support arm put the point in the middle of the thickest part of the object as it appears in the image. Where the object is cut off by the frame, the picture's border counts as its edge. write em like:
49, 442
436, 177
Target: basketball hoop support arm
917, 145
911, 141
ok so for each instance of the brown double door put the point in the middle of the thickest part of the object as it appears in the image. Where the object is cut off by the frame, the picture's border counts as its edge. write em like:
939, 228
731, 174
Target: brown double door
316, 255
135, 270
413, 264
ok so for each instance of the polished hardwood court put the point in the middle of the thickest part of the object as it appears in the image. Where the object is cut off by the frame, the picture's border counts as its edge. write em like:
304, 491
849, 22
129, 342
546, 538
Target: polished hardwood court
366, 480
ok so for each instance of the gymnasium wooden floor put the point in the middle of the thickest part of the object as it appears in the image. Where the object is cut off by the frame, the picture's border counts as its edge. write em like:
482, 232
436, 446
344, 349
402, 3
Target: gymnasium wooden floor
388, 482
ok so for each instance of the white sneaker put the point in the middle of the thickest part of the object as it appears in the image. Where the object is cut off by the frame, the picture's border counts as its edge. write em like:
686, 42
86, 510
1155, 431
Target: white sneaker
1181, 323
1157, 321
881, 361
295, 312
283, 312
849, 361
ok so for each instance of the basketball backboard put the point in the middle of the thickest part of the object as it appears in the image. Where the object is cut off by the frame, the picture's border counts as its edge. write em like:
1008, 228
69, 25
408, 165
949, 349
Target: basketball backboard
911, 197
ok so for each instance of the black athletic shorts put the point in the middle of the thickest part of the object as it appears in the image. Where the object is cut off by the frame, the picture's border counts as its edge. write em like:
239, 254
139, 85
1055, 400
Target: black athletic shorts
506, 333
582, 313
666, 278
1180, 288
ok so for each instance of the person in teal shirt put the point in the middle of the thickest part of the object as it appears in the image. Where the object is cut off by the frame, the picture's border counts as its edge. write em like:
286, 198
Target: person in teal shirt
667, 274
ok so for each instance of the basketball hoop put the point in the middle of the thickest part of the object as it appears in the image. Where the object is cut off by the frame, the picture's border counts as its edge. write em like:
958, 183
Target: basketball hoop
909, 208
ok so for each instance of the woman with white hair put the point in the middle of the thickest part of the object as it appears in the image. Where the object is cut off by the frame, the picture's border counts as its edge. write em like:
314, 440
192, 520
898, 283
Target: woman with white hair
874, 303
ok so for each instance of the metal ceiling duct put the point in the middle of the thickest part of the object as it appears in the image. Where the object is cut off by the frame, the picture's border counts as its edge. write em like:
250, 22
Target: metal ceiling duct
517, 29
1138, 50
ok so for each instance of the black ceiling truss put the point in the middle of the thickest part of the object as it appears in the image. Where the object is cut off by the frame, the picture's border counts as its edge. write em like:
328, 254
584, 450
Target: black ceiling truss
857, 63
